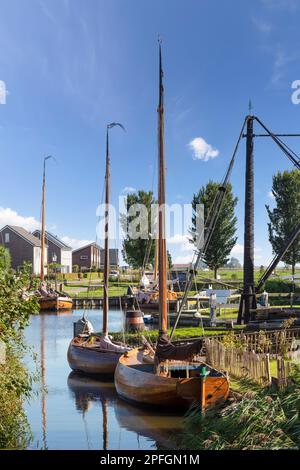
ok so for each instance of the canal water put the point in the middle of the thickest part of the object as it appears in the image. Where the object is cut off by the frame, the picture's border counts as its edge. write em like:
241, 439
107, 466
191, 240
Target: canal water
70, 411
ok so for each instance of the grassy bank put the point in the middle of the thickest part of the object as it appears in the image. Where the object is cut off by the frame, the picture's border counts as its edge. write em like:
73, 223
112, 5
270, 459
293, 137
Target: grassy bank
180, 333
264, 419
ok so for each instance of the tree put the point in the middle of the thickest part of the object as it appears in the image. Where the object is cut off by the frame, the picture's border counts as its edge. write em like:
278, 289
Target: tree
16, 380
223, 238
142, 249
170, 261
233, 263
5, 259
285, 215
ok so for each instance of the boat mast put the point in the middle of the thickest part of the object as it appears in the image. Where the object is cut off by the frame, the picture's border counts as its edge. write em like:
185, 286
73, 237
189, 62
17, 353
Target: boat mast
43, 221
106, 231
162, 254
155, 261
106, 241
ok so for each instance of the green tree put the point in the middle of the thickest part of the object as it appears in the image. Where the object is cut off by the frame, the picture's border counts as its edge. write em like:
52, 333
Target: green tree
137, 252
15, 380
5, 259
285, 215
170, 261
223, 238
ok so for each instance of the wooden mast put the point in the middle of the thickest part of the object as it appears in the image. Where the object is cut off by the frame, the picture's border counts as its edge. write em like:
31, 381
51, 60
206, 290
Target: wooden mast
43, 221
106, 231
155, 260
162, 255
106, 240
248, 298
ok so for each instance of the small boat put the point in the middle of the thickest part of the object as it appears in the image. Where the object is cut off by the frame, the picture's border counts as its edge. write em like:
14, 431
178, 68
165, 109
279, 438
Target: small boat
94, 354
173, 377
153, 306
178, 383
91, 353
55, 304
49, 300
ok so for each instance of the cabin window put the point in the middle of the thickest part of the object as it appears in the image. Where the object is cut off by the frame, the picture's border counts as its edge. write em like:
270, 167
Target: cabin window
83, 257
6, 238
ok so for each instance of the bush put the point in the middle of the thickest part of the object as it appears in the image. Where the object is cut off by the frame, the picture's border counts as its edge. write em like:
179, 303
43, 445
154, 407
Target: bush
15, 384
279, 285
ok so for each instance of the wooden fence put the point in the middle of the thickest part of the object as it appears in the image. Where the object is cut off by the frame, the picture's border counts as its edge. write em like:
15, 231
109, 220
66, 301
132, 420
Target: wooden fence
241, 364
283, 372
272, 342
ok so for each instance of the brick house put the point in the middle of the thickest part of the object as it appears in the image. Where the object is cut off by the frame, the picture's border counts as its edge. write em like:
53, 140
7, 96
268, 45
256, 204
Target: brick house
23, 246
58, 251
87, 257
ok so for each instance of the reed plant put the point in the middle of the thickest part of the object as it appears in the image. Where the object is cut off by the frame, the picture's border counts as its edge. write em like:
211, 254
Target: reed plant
261, 420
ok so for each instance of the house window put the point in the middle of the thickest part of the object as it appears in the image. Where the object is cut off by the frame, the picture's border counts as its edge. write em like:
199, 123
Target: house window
84, 257
6, 237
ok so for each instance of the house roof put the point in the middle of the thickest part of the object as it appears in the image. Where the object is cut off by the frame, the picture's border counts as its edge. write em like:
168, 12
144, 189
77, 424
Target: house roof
29, 237
54, 239
181, 266
86, 246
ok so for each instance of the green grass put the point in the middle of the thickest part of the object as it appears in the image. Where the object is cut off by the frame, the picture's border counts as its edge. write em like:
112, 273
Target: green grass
180, 333
114, 291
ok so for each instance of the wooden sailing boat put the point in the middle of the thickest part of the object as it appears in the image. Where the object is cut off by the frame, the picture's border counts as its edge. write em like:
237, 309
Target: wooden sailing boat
96, 354
172, 379
50, 301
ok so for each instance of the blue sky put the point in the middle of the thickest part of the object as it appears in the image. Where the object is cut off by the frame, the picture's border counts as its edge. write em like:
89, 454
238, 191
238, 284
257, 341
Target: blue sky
72, 66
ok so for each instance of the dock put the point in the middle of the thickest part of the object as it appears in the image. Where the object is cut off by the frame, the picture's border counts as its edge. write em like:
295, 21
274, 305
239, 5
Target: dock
97, 302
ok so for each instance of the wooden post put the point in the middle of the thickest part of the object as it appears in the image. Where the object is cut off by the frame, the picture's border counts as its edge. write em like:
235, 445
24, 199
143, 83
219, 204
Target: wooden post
248, 298
268, 369
202, 394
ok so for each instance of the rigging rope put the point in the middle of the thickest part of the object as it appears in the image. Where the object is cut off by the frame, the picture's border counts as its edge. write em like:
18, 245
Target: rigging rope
210, 226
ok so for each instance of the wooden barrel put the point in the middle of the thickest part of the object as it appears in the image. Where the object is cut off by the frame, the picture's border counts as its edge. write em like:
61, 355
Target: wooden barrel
134, 320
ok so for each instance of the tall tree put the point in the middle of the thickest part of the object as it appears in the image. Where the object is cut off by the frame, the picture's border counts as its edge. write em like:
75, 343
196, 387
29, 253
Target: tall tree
223, 238
285, 215
138, 251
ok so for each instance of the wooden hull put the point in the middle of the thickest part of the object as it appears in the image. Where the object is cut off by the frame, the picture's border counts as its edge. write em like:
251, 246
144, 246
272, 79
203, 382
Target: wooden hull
154, 306
92, 361
56, 304
136, 382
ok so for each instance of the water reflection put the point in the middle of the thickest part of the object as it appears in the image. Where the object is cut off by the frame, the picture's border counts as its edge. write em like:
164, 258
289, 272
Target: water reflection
76, 412
157, 426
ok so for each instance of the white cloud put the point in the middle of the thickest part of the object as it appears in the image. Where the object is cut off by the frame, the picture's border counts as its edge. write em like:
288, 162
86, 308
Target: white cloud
181, 243
262, 26
271, 195
128, 189
10, 217
202, 150
3, 92
282, 59
183, 249
183, 259
75, 243
238, 251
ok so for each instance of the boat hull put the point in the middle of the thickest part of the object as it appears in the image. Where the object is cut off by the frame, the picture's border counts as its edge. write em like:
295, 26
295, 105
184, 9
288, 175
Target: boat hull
154, 306
135, 382
92, 361
56, 304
